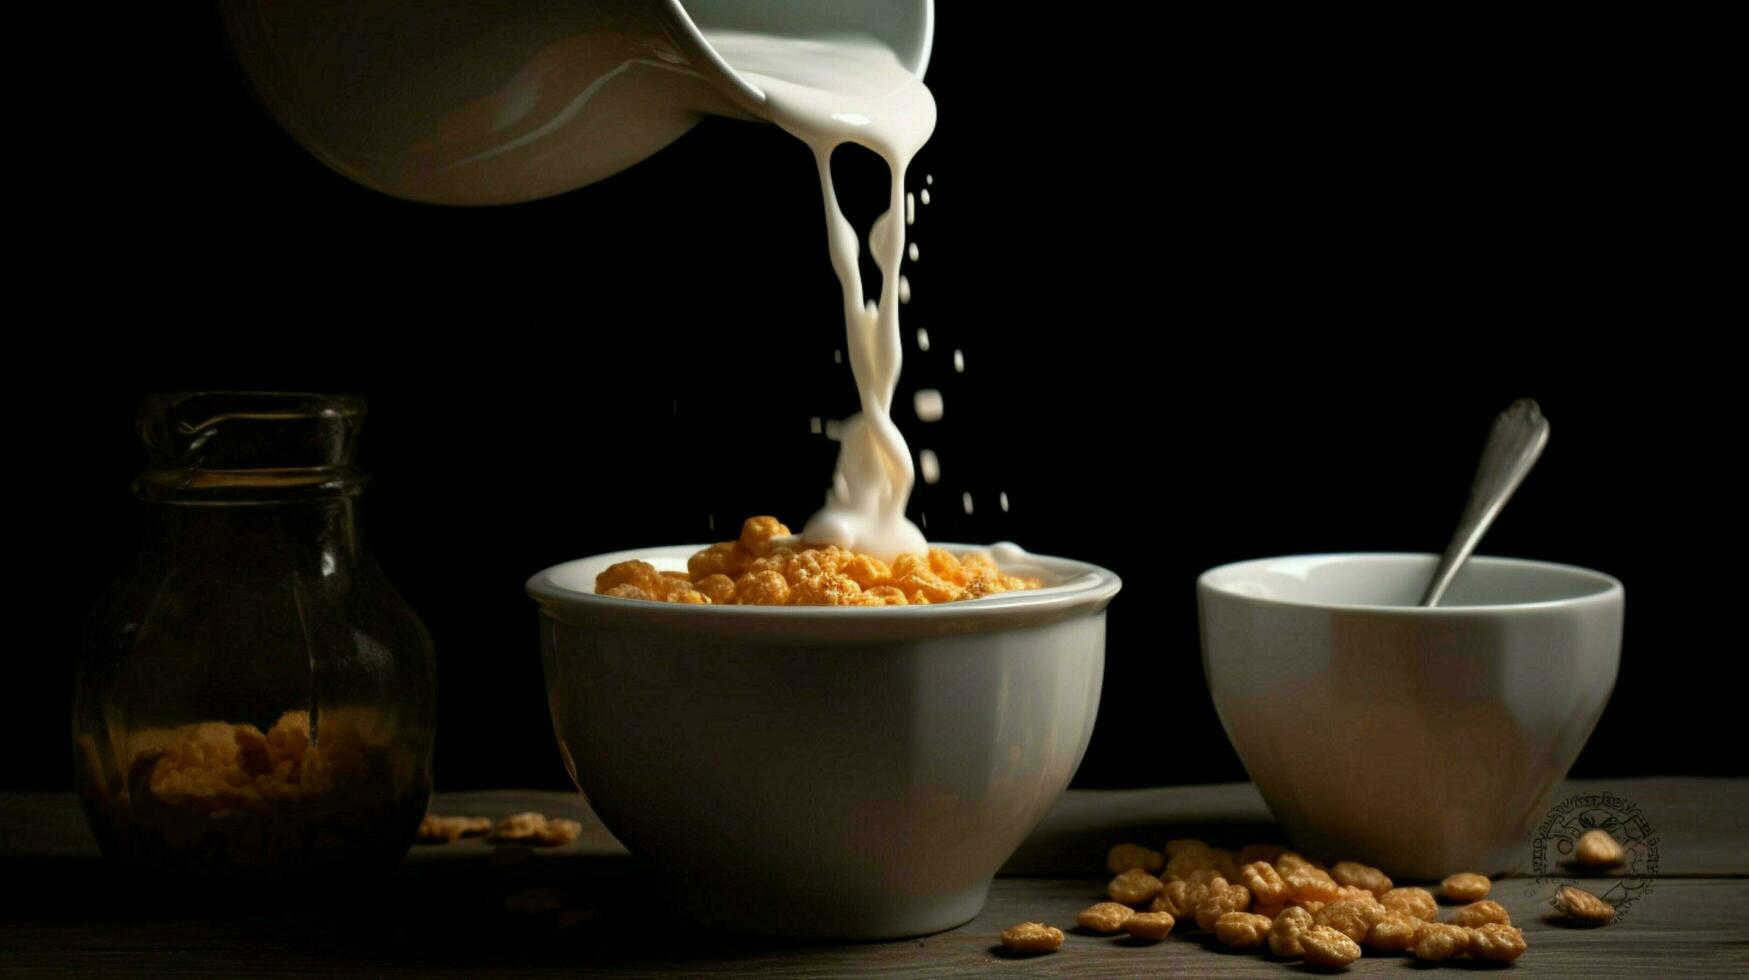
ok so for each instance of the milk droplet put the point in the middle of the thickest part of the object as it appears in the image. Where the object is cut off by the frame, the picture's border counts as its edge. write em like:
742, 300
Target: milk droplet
959, 362
814, 425
929, 178
912, 251
710, 521
905, 292
924, 518
922, 339
837, 355
930, 466
832, 429
966, 501
925, 195
927, 403
910, 208
1002, 499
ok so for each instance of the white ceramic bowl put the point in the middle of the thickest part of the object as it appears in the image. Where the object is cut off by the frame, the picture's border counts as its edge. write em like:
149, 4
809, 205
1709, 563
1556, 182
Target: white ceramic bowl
815, 771
1422, 741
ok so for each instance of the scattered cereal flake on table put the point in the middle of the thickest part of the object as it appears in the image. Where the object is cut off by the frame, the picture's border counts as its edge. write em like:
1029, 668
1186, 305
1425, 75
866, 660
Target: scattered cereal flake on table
1441, 941
1288, 929
1175, 897
1325, 947
1355, 874
1582, 907
1104, 917
537, 830
1353, 919
1222, 898
1416, 902
1466, 886
1312, 885
1032, 938
1394, 933
434, 829
1243, 930
1597, 849
1266, 884
1477, 914
1498, 942
1151, 926
1133, 887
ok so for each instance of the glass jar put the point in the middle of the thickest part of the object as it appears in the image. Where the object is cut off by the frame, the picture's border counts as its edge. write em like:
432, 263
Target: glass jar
254, 700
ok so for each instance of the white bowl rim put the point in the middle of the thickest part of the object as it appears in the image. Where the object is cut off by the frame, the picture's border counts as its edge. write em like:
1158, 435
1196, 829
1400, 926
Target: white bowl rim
1082, 588
1607, 587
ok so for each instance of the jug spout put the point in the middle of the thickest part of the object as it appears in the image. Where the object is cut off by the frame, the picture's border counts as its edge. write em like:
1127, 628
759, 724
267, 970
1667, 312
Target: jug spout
463, 102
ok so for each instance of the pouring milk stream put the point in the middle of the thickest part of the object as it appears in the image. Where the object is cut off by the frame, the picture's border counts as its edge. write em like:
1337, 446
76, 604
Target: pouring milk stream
826, 93
458, 102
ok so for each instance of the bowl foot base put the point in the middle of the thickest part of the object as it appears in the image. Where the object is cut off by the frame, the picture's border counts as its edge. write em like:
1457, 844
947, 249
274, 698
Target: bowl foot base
827, 917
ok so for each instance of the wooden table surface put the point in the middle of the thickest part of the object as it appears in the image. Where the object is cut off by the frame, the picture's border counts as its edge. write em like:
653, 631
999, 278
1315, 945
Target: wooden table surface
444, 912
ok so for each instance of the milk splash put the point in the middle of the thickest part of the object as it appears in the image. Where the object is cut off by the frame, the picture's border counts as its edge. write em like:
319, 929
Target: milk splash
828, 92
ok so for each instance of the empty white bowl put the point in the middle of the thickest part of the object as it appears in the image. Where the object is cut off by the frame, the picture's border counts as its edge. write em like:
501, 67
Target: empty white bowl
850, 773
1422, 741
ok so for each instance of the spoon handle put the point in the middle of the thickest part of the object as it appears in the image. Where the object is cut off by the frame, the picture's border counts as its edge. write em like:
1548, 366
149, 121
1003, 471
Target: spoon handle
1518, 438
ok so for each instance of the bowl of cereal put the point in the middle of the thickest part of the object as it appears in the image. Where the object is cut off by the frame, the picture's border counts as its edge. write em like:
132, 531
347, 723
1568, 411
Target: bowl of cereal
1425, 741
835, 769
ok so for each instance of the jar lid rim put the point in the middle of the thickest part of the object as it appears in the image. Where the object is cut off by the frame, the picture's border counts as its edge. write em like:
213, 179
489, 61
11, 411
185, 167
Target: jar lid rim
249, 430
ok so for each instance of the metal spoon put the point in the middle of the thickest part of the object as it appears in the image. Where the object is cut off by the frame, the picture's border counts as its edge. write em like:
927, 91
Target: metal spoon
1518, 438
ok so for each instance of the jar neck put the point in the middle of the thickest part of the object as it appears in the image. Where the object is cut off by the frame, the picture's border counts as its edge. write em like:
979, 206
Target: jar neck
325, 531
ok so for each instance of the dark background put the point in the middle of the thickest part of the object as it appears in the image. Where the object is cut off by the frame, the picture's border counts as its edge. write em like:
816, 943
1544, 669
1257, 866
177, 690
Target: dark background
1226, 288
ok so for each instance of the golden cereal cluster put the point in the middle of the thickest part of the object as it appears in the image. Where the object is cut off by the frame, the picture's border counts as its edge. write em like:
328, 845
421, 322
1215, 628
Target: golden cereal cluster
767, 566
1285, 905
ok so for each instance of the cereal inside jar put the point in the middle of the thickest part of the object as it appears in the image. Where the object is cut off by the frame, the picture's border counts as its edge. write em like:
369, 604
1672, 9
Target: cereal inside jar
254, 701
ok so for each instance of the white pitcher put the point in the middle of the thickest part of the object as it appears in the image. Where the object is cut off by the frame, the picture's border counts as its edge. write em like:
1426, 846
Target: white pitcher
483, 102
